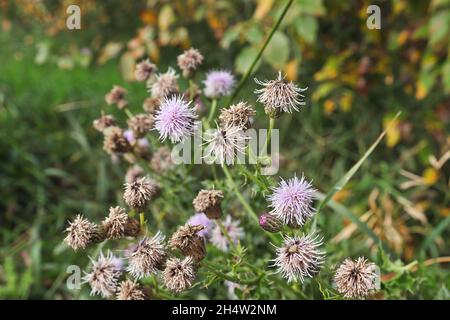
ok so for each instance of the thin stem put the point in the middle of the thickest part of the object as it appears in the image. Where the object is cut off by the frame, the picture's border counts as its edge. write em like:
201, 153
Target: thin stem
258, 56
142, 220
269, 135
225, 232
128, 113
212, 111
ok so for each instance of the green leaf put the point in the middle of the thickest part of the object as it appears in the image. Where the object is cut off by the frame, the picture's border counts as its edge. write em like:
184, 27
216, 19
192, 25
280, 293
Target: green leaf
446, 76
439, 26
306, 28
277, 52
245, 59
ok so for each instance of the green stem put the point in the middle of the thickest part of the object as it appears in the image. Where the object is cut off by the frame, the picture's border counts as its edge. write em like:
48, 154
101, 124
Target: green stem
258, 56
225, 232
142, 220
224, 276
212, 111
269, 135
128, 113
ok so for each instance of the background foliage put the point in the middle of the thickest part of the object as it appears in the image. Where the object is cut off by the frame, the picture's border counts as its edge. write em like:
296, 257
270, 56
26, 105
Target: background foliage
52, 83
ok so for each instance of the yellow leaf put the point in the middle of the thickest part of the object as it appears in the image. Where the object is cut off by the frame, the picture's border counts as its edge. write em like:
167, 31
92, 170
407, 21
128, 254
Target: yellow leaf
430, 176
262, 9
291, 70
393, 135
166, 17
341, 195
445, 212
329, 106
421, 91
345, 102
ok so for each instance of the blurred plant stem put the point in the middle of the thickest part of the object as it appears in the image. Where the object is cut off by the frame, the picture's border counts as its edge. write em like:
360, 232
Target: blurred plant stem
142, 220
269, 135
212, 111
261, 51
128, 113
225, 232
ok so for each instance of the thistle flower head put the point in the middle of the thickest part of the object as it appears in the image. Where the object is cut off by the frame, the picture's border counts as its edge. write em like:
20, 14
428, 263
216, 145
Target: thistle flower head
208, 202
162, 160
235, 232
299, 257
81, 232
187, 240
179, 275
103, 122
117, 96
146, 257
133, 173
139, 192
175, 119
291, 201
104, 275
279, 95
200, 219
237, 115
115, 141
144, 70
270, 223
151, 105
218, 83
130, 290
141, 124
225, 144
118, 224
355, 278
164, 85
189, 61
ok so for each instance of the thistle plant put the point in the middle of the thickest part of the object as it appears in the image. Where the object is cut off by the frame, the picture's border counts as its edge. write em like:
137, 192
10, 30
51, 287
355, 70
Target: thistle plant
207, 215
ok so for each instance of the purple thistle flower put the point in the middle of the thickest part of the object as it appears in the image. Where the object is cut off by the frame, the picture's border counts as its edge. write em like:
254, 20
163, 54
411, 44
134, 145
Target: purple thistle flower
175, 119
202, 220
291, 201
218, 83
235, 232
142, 142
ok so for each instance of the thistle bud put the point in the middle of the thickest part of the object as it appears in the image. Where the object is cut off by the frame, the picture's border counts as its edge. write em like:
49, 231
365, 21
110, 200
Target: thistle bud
270, 223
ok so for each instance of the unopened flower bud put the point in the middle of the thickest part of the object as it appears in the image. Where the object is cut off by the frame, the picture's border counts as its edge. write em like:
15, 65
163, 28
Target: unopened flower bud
270, 223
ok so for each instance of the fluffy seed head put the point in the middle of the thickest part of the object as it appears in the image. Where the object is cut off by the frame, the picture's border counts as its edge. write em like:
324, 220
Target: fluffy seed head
299, 257
179, 275
104, 275
118, 224
200, 219
208, 202
130, 290
291, 201
187, 240
237, 115
115, 141
355, 278
189, 61
165, 84
144, 70
117, 96
225, 144
280, 95
220, 240
218, 83
81, 232
146, 257
141, 124
162, 160
175, 119
103, 122
139, 192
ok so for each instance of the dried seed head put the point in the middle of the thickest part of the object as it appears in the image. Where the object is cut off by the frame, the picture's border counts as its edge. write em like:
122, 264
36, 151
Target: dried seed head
144, 70
179, 275
146, 257
117, 96
175, 119
291, 201
355, 278
103, 122
208, 202
235, 232
162, 160
270, 223
279, 95
82, 232
115, 141
141, 124
139, 192
225, 145
118, 224
104, 275
134, 173
130, 290
237, 115
187, 240
299, 257
151, 105
165, 84
189, 61
218, 83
